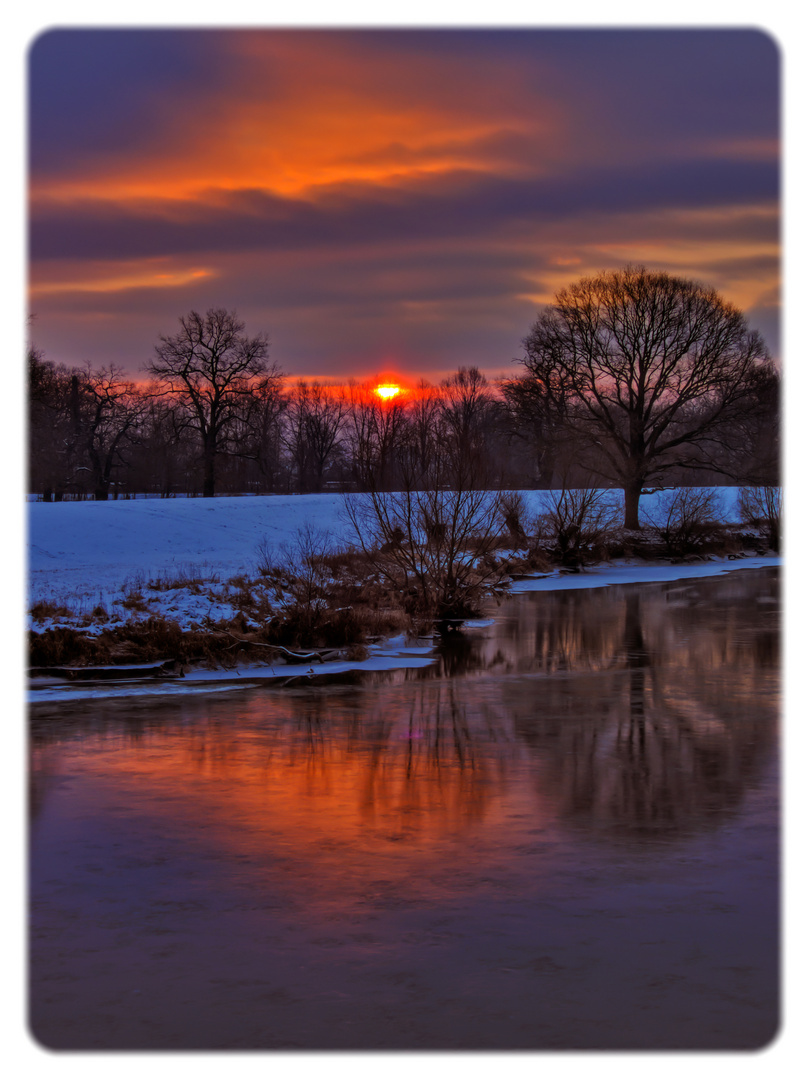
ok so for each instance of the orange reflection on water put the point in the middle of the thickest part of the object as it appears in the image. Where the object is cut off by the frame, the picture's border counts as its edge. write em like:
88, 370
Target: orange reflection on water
616, 712
386, 785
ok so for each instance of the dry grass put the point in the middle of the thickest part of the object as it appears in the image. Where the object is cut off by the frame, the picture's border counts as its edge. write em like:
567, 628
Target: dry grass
133, 601
188, 576
49, 609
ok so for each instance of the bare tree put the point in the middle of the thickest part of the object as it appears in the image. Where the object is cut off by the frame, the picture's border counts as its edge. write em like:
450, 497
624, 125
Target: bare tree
536, 421
163, 457
433, 543
759, 430
376, 430
763, 505
50, 432
419, 449
258, 432
651, 366
577, 519
314, 420
685, 518
210, 367
465, 406
110, 416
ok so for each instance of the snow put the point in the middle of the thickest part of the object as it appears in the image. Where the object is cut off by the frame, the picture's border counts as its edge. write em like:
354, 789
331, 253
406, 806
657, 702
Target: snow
85, 554
202, 681
177, 558
95, 549
626, 573
88, 552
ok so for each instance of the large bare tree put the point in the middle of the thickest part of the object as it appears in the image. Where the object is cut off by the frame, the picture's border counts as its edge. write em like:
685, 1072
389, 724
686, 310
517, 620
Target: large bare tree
210, 367
650, 368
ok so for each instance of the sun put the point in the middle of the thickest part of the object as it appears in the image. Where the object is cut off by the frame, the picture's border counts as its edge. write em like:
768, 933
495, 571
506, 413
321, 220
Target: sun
387, 391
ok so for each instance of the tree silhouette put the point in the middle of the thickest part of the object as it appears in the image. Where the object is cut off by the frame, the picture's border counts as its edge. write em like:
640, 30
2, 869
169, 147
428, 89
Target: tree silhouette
650, 368
210, 368
110, 415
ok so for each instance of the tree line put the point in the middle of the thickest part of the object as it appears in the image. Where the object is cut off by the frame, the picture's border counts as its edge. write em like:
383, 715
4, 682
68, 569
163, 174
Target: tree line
631, 379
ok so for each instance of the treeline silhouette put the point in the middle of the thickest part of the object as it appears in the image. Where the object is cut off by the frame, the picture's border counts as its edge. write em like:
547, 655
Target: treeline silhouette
217, 417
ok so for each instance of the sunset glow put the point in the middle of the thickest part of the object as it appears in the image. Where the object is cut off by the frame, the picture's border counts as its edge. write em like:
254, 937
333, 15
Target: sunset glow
349, 210
387, 391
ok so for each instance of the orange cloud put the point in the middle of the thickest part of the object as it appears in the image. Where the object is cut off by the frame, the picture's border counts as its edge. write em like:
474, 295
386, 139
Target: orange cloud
140, 277
310, 113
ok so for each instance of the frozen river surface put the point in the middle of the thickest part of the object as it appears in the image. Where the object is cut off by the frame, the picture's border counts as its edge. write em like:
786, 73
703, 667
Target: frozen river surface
562, 835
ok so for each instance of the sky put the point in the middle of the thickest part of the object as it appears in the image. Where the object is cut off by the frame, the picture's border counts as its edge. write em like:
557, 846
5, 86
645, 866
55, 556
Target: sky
399, 201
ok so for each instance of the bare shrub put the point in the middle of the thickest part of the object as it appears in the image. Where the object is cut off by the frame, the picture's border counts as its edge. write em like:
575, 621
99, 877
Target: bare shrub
513, 511
267, 557
133, 601
304, 558
576, 521
432, 546
62, 646
686, 520
762, 507
181, 577
299, 571
49, 609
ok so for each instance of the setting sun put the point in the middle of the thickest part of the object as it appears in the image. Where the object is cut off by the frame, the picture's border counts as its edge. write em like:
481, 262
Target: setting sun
387, 391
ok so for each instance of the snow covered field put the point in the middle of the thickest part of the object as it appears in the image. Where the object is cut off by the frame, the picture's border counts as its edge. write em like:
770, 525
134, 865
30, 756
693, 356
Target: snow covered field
82, 554
89, 555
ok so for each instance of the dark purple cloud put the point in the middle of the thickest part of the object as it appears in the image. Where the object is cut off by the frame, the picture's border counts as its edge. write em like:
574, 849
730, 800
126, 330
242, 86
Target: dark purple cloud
462, 177
255, 220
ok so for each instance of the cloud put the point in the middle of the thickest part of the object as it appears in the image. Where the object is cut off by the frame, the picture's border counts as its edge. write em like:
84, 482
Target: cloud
248, 220
416, 193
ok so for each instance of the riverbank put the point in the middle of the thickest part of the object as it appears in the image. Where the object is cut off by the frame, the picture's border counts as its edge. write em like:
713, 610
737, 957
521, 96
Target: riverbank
401, 651
225, 583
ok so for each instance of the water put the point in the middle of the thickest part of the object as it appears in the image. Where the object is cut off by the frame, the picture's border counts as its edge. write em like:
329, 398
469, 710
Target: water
563, 835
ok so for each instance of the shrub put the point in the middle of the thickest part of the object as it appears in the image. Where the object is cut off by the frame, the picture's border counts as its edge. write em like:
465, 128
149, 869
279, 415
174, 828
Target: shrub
63, 646
762, 507
49, 609
577, 521
133, 601
267, 557
686, 520
513, 513
432, 546
300, 572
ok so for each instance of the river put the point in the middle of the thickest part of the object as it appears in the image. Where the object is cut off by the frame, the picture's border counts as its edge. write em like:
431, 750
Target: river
563, 834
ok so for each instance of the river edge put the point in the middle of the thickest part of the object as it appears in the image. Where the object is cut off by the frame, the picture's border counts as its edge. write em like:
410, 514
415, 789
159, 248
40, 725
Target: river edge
394, 653
406, 861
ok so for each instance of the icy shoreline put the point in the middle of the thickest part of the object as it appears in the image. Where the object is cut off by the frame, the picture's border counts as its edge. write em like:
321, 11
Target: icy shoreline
628, 572
88, 557
393, 654
98, 566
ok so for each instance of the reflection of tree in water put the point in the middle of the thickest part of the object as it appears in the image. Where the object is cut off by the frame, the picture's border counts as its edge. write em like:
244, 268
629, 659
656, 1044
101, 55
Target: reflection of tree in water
673, 733
43, 764
421, 753
402, 761
548, 632
646, 710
